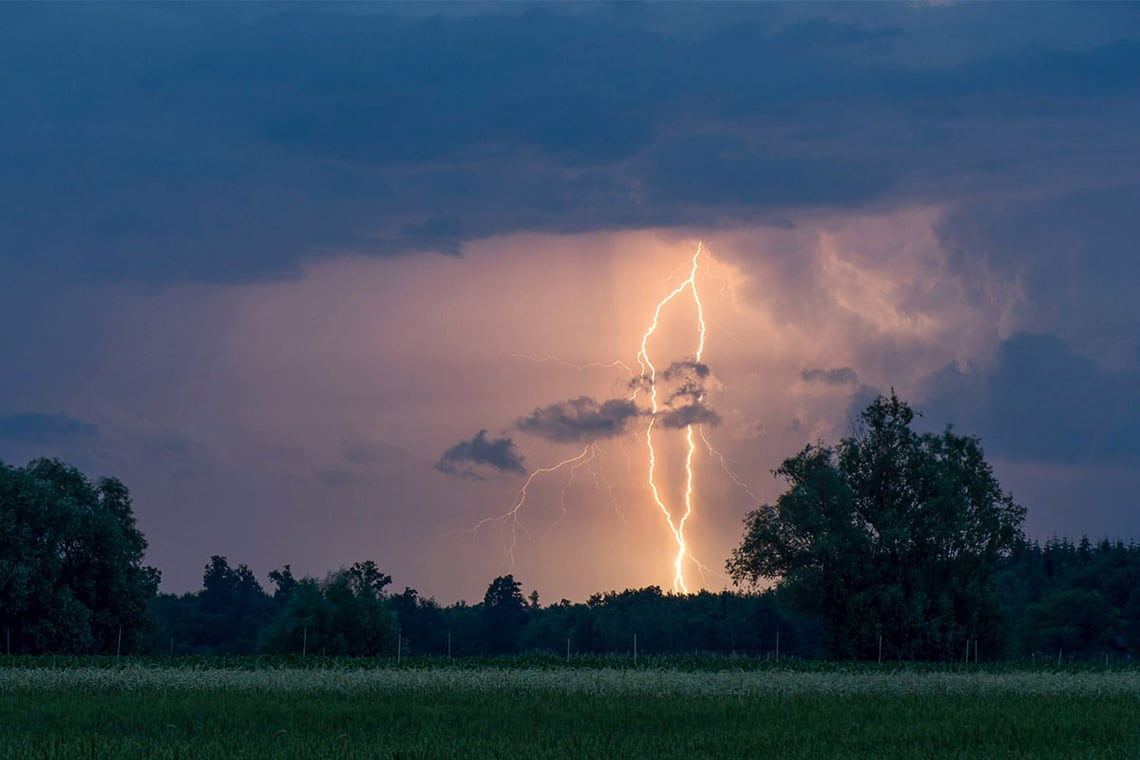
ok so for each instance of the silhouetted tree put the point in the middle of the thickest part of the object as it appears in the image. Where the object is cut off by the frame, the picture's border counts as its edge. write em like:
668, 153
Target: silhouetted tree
284, 582
368, 574
504, 614
422, 623
344, 615
71, 572
232, 608
892, 533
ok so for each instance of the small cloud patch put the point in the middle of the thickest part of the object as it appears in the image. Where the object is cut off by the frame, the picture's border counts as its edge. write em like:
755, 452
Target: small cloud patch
463, 458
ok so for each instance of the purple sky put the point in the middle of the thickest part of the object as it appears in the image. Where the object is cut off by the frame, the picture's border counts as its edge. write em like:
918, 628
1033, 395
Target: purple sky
277, 266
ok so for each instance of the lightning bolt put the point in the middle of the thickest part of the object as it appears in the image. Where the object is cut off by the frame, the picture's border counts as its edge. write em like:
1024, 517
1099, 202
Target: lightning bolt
575, 464
731, 473
649, 373
571, 365
512, 514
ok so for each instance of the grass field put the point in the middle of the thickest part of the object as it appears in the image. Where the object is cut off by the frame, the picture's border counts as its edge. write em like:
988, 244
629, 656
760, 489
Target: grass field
248, 710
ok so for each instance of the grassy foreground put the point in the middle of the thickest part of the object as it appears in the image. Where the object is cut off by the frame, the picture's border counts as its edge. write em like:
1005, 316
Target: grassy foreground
155, 712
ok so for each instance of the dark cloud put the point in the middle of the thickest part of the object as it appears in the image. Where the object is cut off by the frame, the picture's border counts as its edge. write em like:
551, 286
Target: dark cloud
1073, 254
718, 170
499, 454
690, 414
690, 391
228, 143
684, 368
439, 233
836, 376
33, 426
580, 419
1042, 401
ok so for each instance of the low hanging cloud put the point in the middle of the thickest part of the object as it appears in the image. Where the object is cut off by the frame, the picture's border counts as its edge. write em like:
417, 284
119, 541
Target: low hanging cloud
836, 376
580, 419
499, 454
688, 390
1043, 402
34, 426
690, 414
686, 368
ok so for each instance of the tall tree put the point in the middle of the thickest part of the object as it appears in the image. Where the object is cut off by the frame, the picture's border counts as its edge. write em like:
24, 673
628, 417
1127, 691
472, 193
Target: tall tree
71, 572
891, 534
232, 608
504, 614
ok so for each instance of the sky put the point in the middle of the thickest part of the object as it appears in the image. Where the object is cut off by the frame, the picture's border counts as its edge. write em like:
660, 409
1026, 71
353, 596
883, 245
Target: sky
326, 283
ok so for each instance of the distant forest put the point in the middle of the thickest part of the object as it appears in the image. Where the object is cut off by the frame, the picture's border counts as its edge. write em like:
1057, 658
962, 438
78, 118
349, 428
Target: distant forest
1080, 600
893, 545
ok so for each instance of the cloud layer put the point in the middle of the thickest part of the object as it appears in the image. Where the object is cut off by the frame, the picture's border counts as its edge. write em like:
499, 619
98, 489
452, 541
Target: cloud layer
299, 132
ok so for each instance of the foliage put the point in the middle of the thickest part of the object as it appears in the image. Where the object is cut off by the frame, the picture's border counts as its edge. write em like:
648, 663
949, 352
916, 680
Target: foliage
504, 615
225, 617
71, 572
892, 534
1078, 599
345, 615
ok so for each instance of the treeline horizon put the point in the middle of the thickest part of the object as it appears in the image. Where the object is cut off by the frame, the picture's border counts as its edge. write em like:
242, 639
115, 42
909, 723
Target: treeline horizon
1078, 599
893, 544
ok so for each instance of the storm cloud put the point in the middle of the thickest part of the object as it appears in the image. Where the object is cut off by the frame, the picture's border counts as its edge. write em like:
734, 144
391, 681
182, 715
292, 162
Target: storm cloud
226, 224
696, 413
686, 368
301, 131
580, 419
1042, 401
464, 457
836, 376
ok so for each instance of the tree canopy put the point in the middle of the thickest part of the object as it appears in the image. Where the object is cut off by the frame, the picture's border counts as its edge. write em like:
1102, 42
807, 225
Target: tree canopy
892, 533
71, 572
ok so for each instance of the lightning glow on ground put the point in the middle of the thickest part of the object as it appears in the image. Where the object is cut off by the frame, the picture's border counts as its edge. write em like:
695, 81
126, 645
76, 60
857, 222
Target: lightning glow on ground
649, 372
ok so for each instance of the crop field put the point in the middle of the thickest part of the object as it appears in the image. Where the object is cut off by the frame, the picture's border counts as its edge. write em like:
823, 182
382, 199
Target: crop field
278, 709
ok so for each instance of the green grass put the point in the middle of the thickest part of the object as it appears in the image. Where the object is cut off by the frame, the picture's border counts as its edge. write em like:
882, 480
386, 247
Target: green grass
282, 712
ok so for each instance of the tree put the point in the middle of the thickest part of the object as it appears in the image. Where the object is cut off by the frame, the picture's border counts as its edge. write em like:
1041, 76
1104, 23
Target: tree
344, 615
892, 533
504, 614
368, 574
421, 622
232, 608
284, 581
71, 572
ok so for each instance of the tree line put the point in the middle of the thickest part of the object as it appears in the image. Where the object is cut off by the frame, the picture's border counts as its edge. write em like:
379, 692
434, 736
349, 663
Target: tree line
1077, 599
348, 614
891, 544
